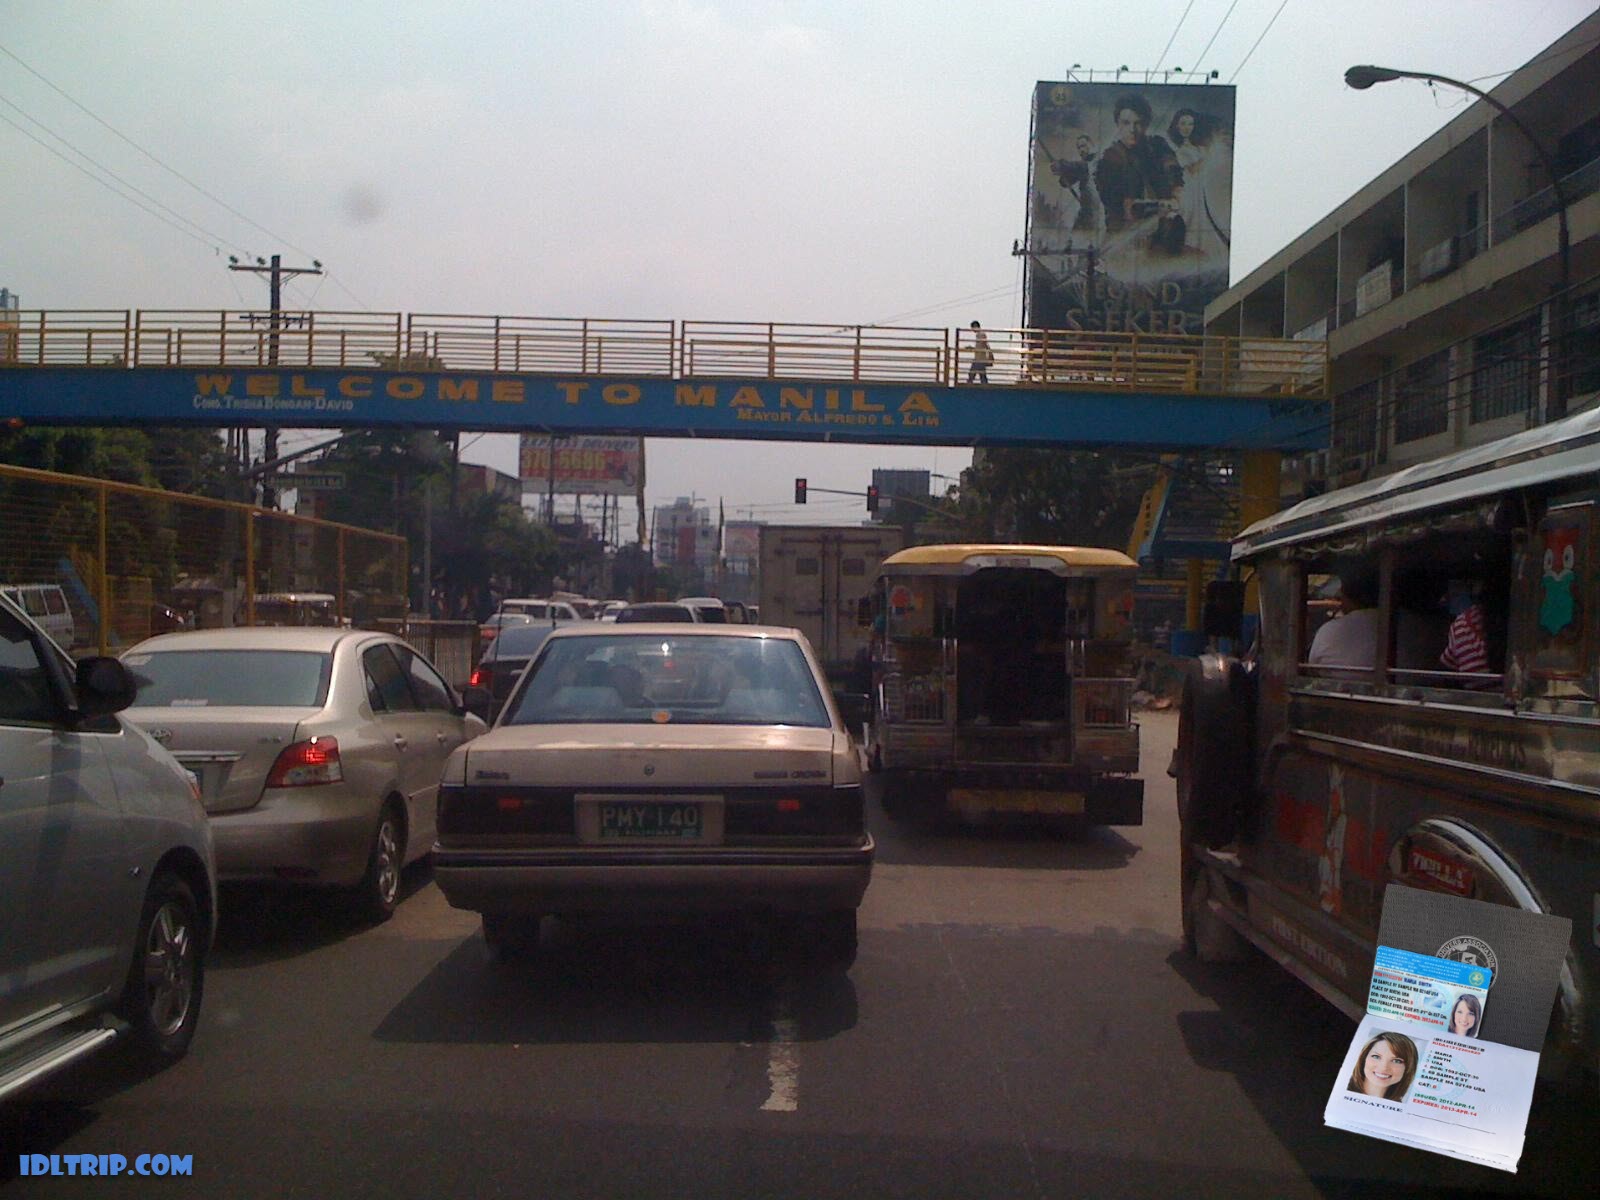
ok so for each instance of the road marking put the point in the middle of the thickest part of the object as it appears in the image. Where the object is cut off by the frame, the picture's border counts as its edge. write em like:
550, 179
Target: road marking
783, 1062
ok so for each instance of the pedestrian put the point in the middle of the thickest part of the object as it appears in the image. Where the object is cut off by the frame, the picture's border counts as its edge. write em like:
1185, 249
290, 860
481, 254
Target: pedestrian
982, 356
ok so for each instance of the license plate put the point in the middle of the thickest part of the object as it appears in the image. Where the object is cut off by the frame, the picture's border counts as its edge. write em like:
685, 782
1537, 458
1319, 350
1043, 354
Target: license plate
653, 821
994, 800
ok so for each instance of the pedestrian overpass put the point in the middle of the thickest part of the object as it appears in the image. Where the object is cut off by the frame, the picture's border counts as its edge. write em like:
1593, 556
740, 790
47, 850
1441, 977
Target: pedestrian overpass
891, 385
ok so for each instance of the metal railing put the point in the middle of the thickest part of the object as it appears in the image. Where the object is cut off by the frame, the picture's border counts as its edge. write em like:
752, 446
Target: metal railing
422, 342
132, 561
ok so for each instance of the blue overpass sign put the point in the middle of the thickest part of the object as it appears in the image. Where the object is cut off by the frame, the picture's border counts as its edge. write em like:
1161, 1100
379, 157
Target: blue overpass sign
794, 410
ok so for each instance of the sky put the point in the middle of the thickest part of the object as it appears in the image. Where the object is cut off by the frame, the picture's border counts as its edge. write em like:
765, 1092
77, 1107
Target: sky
835, 161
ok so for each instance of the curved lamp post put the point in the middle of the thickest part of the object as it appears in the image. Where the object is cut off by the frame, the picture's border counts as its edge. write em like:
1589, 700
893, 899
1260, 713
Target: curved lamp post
1364, 76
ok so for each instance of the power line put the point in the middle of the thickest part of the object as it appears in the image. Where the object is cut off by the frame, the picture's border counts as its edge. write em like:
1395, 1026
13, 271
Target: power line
1258, 41
109, 187
100, 166
1573, 49
990, 294
1200, 62
164, 166
1174, 36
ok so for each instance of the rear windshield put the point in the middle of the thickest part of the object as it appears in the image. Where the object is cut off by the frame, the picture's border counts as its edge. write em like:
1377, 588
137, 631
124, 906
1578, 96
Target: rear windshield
655, 612
661, 679
230, 678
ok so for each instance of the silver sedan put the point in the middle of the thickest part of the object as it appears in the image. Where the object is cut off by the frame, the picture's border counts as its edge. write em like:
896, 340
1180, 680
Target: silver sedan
318, 751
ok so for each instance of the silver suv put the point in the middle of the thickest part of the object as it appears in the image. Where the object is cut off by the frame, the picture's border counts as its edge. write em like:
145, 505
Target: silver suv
106, 869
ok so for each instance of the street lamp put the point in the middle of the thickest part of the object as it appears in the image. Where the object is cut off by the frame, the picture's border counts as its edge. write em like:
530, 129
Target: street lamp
1364, 76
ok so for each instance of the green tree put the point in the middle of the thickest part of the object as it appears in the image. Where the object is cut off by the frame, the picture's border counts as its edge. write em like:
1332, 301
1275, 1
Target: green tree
1062, 497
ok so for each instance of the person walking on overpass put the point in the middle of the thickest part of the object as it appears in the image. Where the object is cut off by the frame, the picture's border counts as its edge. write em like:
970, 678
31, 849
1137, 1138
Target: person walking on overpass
982, 356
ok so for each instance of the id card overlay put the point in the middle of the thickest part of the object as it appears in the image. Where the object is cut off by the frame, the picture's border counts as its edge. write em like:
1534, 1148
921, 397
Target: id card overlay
1425, 989
1462, 1097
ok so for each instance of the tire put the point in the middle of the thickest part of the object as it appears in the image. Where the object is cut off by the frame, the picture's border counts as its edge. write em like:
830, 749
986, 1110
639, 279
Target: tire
510, 936
378, 893
161, 1000
1206, 936
1215, 752
896, 798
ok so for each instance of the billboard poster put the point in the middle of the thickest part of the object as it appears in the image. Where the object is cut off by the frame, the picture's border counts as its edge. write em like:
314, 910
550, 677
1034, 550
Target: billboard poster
741, 540
1130, 205
585, 465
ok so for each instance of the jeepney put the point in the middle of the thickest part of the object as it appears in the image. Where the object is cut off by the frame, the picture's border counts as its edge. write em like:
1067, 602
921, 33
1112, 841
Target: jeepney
1002, 684
1463, 754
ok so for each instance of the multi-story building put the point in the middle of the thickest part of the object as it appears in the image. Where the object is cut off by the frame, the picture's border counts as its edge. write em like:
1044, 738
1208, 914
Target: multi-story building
1452, 312
684, 535
475, 479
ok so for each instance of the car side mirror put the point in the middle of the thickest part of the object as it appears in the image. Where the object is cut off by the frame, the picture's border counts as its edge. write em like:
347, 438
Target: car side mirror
1223, 614
104, 686
478, 700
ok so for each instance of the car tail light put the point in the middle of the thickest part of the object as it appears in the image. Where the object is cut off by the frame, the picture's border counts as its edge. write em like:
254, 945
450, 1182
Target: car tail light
481, 677
313, 761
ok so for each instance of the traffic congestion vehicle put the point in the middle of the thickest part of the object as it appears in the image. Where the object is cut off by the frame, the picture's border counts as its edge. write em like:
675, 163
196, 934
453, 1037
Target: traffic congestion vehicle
660, 770
658, 611
491, 627
1003, 686
46, 606
318, 751
497, 671
539, 608
106, 865
1455, 749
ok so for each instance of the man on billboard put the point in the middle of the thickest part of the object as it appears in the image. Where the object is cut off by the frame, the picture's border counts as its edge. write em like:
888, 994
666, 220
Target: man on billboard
1138, 175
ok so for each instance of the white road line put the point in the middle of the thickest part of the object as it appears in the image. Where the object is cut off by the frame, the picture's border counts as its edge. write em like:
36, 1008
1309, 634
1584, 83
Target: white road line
783, 1062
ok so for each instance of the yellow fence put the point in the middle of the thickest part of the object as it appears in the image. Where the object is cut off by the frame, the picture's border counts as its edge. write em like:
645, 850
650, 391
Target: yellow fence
133, 561
1056, 359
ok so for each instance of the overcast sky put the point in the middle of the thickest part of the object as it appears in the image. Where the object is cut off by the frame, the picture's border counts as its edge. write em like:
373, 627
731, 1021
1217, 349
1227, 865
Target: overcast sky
838, 161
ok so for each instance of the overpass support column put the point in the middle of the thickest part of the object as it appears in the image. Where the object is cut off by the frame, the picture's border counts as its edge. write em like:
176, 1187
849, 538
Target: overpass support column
1260, 483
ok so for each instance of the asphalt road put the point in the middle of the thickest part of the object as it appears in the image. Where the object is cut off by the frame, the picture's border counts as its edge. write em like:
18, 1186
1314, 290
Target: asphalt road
1022, 1022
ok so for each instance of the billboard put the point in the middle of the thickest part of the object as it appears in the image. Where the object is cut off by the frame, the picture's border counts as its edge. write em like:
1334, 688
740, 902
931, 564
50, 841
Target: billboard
585, 465
1130, 205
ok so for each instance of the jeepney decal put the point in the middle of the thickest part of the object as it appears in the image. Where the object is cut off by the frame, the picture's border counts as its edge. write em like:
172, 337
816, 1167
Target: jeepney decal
1330, 871
1561, 624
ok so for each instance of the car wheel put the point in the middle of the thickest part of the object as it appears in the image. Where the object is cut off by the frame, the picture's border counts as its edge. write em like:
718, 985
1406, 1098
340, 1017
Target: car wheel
510, 936
829, 939
161, 1001
379, 890
1208, 937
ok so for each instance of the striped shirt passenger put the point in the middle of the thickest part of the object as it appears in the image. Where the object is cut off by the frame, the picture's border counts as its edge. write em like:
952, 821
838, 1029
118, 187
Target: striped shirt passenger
1466, 649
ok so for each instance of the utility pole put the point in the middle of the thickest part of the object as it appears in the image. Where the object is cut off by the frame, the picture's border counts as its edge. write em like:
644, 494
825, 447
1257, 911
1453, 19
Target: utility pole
275, 272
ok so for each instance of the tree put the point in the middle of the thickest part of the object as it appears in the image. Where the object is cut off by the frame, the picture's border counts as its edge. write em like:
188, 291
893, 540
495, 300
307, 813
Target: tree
1062, 497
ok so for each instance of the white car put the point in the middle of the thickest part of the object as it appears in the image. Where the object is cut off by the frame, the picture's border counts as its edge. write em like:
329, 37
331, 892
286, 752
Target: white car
318, 750
660, 769
539, 609
106, 869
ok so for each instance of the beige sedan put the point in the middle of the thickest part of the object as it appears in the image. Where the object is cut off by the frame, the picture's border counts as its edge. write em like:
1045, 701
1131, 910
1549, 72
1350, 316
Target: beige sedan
655, 770
318, 750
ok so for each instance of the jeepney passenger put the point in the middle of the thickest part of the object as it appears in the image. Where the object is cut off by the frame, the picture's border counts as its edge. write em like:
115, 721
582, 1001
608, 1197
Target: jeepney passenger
1351, 638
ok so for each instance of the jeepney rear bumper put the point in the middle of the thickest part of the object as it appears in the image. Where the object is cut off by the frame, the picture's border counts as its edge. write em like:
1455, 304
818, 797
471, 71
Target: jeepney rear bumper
1017, 791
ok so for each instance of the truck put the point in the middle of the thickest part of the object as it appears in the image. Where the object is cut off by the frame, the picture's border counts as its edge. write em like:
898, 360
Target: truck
816, 578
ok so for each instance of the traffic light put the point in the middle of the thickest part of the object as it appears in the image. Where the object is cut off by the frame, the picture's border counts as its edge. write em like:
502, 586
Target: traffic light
799, 491
872, 497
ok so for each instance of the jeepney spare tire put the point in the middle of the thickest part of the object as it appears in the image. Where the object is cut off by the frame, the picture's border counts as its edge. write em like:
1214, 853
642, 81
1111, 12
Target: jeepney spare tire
1215, 755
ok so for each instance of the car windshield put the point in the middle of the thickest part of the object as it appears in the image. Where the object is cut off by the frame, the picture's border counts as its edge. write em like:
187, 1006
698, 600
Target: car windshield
661, 679
230, 678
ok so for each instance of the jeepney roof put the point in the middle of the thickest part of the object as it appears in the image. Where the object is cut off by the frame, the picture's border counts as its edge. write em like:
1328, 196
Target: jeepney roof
965, 557
1565, 449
